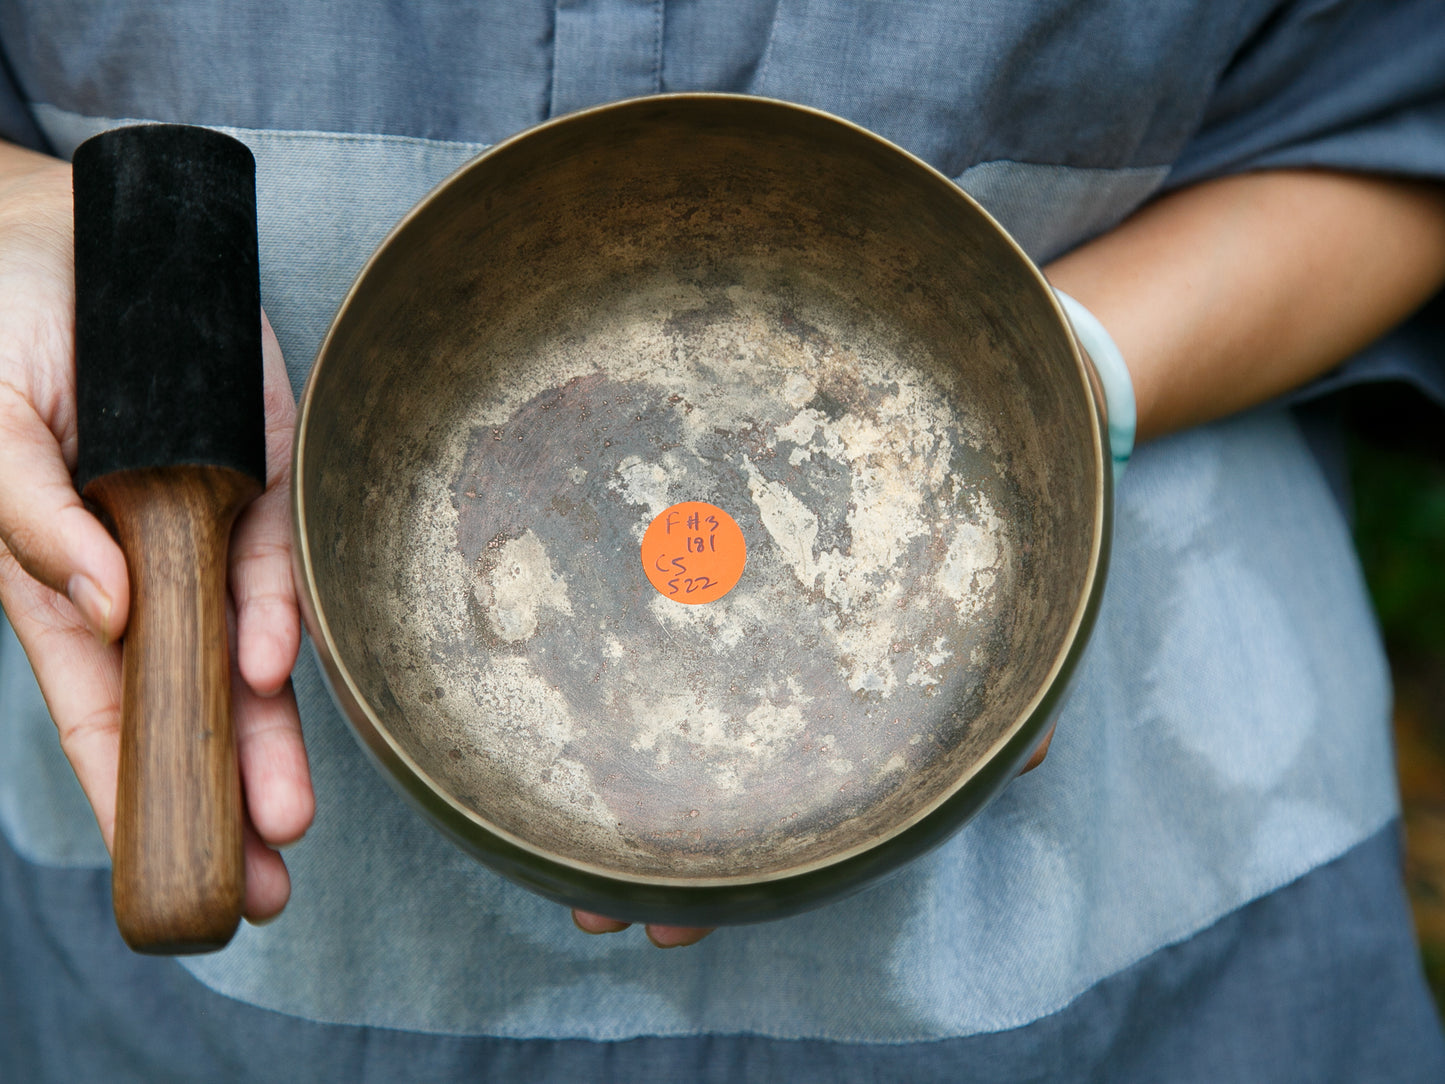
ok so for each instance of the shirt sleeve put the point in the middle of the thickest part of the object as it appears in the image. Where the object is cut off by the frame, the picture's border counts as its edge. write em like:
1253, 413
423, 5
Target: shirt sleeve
1356, 85
1340, 84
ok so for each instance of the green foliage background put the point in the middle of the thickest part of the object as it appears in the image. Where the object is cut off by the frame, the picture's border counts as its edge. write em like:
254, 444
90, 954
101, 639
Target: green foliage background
1400, 529
1397, 466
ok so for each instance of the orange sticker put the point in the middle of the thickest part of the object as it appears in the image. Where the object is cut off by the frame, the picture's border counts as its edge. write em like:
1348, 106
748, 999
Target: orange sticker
694, 552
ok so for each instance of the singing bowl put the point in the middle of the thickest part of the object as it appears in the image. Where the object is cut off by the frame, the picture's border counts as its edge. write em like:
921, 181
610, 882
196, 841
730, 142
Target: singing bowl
700, 298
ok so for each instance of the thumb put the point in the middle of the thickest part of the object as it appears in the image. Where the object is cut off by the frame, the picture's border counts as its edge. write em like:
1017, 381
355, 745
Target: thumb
48, 529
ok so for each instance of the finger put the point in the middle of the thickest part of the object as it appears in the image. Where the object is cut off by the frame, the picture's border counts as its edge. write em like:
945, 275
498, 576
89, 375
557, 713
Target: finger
1039, 753
80, 679
268, 625
268, 884
676, 936
588, 922
275, 775
46, 528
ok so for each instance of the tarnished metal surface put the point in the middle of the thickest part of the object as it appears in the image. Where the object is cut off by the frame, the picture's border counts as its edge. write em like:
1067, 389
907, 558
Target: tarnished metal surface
714, 300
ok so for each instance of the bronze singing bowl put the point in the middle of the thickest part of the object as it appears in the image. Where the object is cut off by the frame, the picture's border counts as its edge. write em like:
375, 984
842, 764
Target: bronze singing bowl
719, 299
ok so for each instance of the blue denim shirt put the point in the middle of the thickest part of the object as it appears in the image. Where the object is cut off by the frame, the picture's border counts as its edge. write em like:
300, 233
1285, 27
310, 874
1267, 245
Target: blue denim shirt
1227, 732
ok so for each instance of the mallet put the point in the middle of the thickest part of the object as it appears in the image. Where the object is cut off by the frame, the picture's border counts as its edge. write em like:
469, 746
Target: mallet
171, 448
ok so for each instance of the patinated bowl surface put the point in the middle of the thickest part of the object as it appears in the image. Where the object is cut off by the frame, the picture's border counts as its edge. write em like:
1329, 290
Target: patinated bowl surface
699, 299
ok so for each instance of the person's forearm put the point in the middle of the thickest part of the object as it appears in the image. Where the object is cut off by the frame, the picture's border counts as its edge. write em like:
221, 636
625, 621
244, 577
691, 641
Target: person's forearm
1223, 295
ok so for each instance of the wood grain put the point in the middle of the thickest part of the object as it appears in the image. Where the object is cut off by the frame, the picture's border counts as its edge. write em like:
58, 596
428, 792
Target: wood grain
179, 878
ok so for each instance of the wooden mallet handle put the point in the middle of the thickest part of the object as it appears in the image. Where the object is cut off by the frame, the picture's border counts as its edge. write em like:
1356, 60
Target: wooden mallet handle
179, 876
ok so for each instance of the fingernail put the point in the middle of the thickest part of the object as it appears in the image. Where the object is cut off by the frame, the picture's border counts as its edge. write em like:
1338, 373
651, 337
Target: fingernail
94, 605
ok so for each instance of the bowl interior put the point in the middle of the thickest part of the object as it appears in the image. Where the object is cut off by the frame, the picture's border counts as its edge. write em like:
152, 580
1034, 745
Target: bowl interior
724, 301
